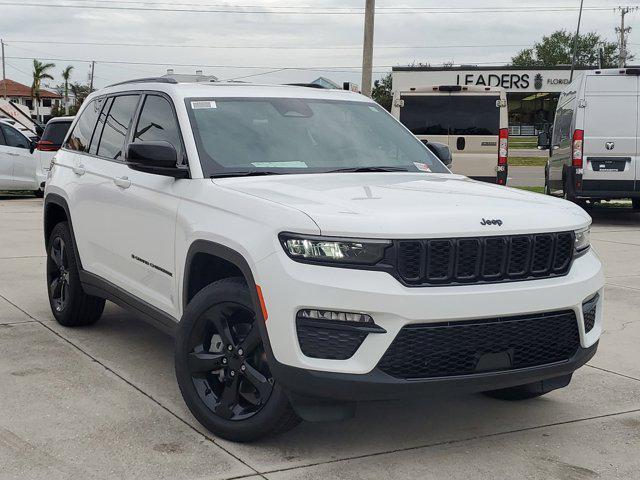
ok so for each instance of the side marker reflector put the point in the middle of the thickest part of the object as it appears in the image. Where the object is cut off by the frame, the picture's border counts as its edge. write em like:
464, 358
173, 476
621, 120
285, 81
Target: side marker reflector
263, 306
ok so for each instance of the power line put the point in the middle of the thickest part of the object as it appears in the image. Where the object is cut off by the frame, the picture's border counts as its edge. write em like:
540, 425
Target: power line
338, 68
266, 10
267, 47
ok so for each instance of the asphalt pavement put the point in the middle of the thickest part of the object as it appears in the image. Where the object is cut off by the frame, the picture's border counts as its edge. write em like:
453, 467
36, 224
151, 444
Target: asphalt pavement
102, 403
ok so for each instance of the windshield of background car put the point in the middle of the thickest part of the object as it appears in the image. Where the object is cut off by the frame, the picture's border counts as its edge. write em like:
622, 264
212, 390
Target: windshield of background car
291, 135
451, 114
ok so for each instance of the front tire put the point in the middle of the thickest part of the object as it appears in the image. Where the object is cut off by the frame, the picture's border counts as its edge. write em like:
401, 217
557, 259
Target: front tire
70, 305
221, 366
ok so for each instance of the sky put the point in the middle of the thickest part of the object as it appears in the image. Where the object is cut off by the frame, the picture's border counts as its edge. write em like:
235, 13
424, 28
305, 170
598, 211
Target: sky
270, 41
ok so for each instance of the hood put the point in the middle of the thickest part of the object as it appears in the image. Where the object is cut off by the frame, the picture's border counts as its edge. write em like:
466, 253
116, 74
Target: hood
411, 205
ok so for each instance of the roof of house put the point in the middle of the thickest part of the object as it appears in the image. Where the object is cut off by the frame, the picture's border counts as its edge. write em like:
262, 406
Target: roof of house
15, 89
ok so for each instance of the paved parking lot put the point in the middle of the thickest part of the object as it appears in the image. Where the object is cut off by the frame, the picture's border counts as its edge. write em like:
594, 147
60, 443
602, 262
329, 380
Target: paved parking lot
102, 402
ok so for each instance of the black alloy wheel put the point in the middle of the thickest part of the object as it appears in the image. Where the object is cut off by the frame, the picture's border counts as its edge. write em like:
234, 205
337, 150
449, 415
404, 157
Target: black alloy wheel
70, 305
222, 366
228, 364
58, 275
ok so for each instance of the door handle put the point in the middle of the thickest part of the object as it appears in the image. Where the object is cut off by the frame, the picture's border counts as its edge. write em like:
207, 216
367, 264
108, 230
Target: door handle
122, 182
79, 169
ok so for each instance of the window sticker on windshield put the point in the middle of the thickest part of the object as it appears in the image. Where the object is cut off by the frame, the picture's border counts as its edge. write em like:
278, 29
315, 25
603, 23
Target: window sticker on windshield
423, 167
199, 104
280, 164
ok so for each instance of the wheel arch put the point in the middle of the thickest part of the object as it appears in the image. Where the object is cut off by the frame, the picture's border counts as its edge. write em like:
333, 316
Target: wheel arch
235, 263
56, 210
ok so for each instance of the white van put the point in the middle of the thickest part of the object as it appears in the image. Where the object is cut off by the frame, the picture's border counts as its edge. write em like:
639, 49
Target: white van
472, 120
593, 147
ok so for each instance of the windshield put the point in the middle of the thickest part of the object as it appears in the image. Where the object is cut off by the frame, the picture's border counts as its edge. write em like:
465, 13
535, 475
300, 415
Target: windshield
290, 135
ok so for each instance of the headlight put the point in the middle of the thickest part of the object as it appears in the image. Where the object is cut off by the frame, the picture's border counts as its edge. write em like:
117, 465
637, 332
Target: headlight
333, 250
583, 240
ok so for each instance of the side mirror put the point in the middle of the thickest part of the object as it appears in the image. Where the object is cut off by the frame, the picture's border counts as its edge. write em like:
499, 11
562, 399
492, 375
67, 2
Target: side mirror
159, 158
544, 141
440, 150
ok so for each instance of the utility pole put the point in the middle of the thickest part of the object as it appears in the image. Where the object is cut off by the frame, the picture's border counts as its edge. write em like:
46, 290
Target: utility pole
4, 74
622, 32
576, 39
367, 49
93, 66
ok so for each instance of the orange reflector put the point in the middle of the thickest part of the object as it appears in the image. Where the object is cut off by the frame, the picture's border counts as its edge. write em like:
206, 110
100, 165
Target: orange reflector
263, 306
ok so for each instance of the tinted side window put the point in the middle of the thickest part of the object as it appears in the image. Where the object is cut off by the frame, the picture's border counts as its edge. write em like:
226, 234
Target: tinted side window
2, 140
93, 148
13, 138
54, 132
116, 126
157, 122
80, 138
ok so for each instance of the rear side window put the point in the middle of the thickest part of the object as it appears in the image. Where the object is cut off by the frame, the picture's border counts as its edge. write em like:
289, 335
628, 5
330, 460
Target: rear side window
116, 126
158, 123
80, 137
451, 114
54, 132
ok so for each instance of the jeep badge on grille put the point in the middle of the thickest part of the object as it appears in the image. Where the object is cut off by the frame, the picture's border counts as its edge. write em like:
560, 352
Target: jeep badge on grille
491, 222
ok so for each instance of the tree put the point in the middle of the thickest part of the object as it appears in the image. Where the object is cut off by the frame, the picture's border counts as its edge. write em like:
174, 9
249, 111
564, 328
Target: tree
381, 92
66, 75
40, 72
557, 49
80, 92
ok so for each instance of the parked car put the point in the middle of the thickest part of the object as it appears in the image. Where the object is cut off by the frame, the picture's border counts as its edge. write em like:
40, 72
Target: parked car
593, 148
18, 169
50, 142
471, 120
309, 253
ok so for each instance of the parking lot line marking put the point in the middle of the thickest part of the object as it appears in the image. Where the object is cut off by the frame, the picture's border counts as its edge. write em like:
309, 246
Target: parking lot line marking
614, 373
134, 386
453, 442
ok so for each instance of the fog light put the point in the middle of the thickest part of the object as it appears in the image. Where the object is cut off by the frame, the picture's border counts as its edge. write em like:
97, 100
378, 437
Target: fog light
335, 316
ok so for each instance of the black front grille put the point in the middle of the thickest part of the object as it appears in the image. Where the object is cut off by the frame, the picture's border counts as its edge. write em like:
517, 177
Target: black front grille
484, 259
465, 348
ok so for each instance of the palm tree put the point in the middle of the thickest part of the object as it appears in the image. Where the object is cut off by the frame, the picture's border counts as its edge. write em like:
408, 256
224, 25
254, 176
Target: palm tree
39, 73
66, 75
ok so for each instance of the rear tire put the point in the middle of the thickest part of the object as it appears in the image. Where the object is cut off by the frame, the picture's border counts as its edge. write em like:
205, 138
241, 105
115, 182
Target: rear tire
221, 366
547, 187
530, 390
38, 193
70, 305
567, 193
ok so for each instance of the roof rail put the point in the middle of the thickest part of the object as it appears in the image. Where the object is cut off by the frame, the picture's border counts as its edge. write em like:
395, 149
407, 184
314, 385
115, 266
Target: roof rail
147, 80
309, 85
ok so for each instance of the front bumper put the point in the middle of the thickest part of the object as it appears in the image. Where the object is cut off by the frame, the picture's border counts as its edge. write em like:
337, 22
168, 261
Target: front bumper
377, 385
289, 286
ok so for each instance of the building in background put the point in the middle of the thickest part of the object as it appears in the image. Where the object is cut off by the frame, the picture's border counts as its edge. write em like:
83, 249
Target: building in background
532, 94
21, 95
189, 78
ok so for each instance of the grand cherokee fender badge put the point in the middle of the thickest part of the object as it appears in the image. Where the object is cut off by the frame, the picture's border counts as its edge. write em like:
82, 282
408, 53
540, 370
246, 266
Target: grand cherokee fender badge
491, 222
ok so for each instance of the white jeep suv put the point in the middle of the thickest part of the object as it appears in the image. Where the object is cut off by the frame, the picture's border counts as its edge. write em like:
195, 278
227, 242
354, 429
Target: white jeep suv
308, 253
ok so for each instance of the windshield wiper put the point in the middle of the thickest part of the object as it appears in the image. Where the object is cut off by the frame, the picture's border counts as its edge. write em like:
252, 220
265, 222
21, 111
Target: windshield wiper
253, 173
369, 169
